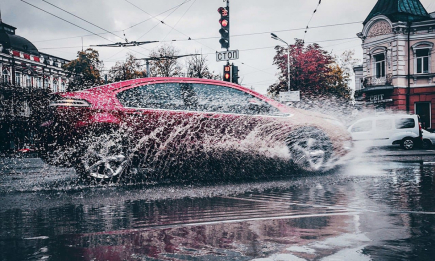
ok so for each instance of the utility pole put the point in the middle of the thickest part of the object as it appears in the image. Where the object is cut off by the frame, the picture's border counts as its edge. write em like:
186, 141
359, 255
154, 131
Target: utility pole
275, 37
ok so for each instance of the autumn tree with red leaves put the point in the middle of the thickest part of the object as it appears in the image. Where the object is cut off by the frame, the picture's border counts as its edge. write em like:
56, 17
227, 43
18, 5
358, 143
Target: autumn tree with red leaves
313, 71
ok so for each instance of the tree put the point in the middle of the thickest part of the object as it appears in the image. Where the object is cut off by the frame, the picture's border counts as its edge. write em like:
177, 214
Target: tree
313, 71
84, 71
127, 70
197, 68
347, 62
167, 66
338, 82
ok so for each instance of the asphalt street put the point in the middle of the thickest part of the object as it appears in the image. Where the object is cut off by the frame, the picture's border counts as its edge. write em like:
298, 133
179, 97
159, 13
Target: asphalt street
378, 206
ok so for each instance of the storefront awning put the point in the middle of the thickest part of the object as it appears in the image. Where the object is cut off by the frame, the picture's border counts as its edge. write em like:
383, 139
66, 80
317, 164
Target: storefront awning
377, 88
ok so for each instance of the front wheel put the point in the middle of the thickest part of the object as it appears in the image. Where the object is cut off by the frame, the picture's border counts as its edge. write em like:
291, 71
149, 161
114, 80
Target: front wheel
408, 144
104, 158
310, 149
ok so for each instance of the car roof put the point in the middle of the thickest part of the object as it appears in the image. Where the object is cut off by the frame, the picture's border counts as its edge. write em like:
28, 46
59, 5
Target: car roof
114, 87
384, 116
134, 82
123, 84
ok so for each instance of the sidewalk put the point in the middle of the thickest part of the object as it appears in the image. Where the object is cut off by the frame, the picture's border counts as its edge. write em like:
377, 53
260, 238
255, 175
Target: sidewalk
397, 154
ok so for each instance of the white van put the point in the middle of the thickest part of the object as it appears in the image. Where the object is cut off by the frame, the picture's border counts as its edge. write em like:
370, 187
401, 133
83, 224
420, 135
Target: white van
387, 130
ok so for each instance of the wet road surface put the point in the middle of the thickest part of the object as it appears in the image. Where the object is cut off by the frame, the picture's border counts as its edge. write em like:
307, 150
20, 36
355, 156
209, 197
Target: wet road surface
375, 210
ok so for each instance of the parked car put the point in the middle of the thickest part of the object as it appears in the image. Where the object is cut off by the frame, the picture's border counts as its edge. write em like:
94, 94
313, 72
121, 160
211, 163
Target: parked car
428, 139
108, 131
387, 130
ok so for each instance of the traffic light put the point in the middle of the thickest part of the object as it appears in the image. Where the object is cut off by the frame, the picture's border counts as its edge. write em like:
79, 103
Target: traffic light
235, 74
225, 27
227, 73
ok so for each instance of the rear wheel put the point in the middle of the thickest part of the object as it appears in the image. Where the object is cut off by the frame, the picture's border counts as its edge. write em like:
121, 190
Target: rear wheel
310, 149
104, 158
427, 144
408, 144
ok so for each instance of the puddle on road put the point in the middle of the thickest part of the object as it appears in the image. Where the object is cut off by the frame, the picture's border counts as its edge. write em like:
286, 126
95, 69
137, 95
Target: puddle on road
345, 213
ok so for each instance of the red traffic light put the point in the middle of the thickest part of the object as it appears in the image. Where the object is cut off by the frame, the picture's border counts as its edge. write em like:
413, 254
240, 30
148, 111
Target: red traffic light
224, 22
227, 73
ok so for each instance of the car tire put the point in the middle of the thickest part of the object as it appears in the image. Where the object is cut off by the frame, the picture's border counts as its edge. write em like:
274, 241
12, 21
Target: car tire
310, 149
427, 144
408, 143
103, 158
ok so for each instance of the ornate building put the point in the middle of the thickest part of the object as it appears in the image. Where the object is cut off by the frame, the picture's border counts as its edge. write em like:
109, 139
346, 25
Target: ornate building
398, 40
27, 77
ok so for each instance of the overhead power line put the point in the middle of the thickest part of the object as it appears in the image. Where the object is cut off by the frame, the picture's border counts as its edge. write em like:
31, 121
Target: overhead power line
82, 19
315, 10
216, 37
175, 7
45, 11
86, 35
251, 49
180, 19
154, 17
65, 20
188, 37
119, 44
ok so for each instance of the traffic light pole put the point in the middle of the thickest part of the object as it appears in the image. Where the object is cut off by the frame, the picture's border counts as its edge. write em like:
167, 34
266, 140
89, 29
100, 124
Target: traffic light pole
228, 8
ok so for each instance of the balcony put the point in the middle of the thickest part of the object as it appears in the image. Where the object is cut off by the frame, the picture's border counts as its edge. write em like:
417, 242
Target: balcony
382, 81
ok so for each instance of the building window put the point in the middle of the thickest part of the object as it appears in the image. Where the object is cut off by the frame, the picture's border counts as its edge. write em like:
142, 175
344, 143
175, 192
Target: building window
39, 82
6, 77
422, 56
17, 79
63, 87
28, 81
46, 83
379, 65
55, 86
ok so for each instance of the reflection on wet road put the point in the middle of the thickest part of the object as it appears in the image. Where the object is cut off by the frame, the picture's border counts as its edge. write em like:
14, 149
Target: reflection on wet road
363, 211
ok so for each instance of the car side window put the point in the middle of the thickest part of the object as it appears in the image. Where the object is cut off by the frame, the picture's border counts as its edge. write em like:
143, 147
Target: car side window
363, 126
405, 123
215, 98
153, 96
384, 124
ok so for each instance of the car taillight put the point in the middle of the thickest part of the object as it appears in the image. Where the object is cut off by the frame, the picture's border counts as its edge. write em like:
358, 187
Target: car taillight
69, 103
421, 131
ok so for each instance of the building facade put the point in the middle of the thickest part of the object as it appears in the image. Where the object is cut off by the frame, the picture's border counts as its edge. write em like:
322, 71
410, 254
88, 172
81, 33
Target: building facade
398, 39
27, 76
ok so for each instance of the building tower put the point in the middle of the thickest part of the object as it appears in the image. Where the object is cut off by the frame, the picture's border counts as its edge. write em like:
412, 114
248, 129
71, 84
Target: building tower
398, 70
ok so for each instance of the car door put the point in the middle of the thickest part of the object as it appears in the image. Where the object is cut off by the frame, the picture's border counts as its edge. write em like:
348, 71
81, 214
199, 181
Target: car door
153, 114
383, 132
228, 114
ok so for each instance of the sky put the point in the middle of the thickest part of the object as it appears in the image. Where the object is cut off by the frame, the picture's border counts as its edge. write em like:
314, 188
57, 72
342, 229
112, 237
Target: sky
251, 23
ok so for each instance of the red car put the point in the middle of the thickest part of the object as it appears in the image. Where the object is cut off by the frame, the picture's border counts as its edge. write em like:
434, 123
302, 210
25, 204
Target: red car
158, 123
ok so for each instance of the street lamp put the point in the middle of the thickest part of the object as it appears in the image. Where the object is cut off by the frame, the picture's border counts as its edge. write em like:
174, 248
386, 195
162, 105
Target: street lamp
275, 37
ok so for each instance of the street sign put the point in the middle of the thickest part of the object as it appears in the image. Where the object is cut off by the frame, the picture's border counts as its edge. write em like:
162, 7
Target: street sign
227, 55
293, 96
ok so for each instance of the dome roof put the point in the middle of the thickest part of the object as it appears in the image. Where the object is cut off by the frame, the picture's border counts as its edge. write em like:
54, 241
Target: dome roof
9, 39
22, 44
399, 10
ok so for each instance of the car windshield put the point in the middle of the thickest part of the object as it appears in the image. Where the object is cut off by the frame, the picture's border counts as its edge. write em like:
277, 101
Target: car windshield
196, 97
